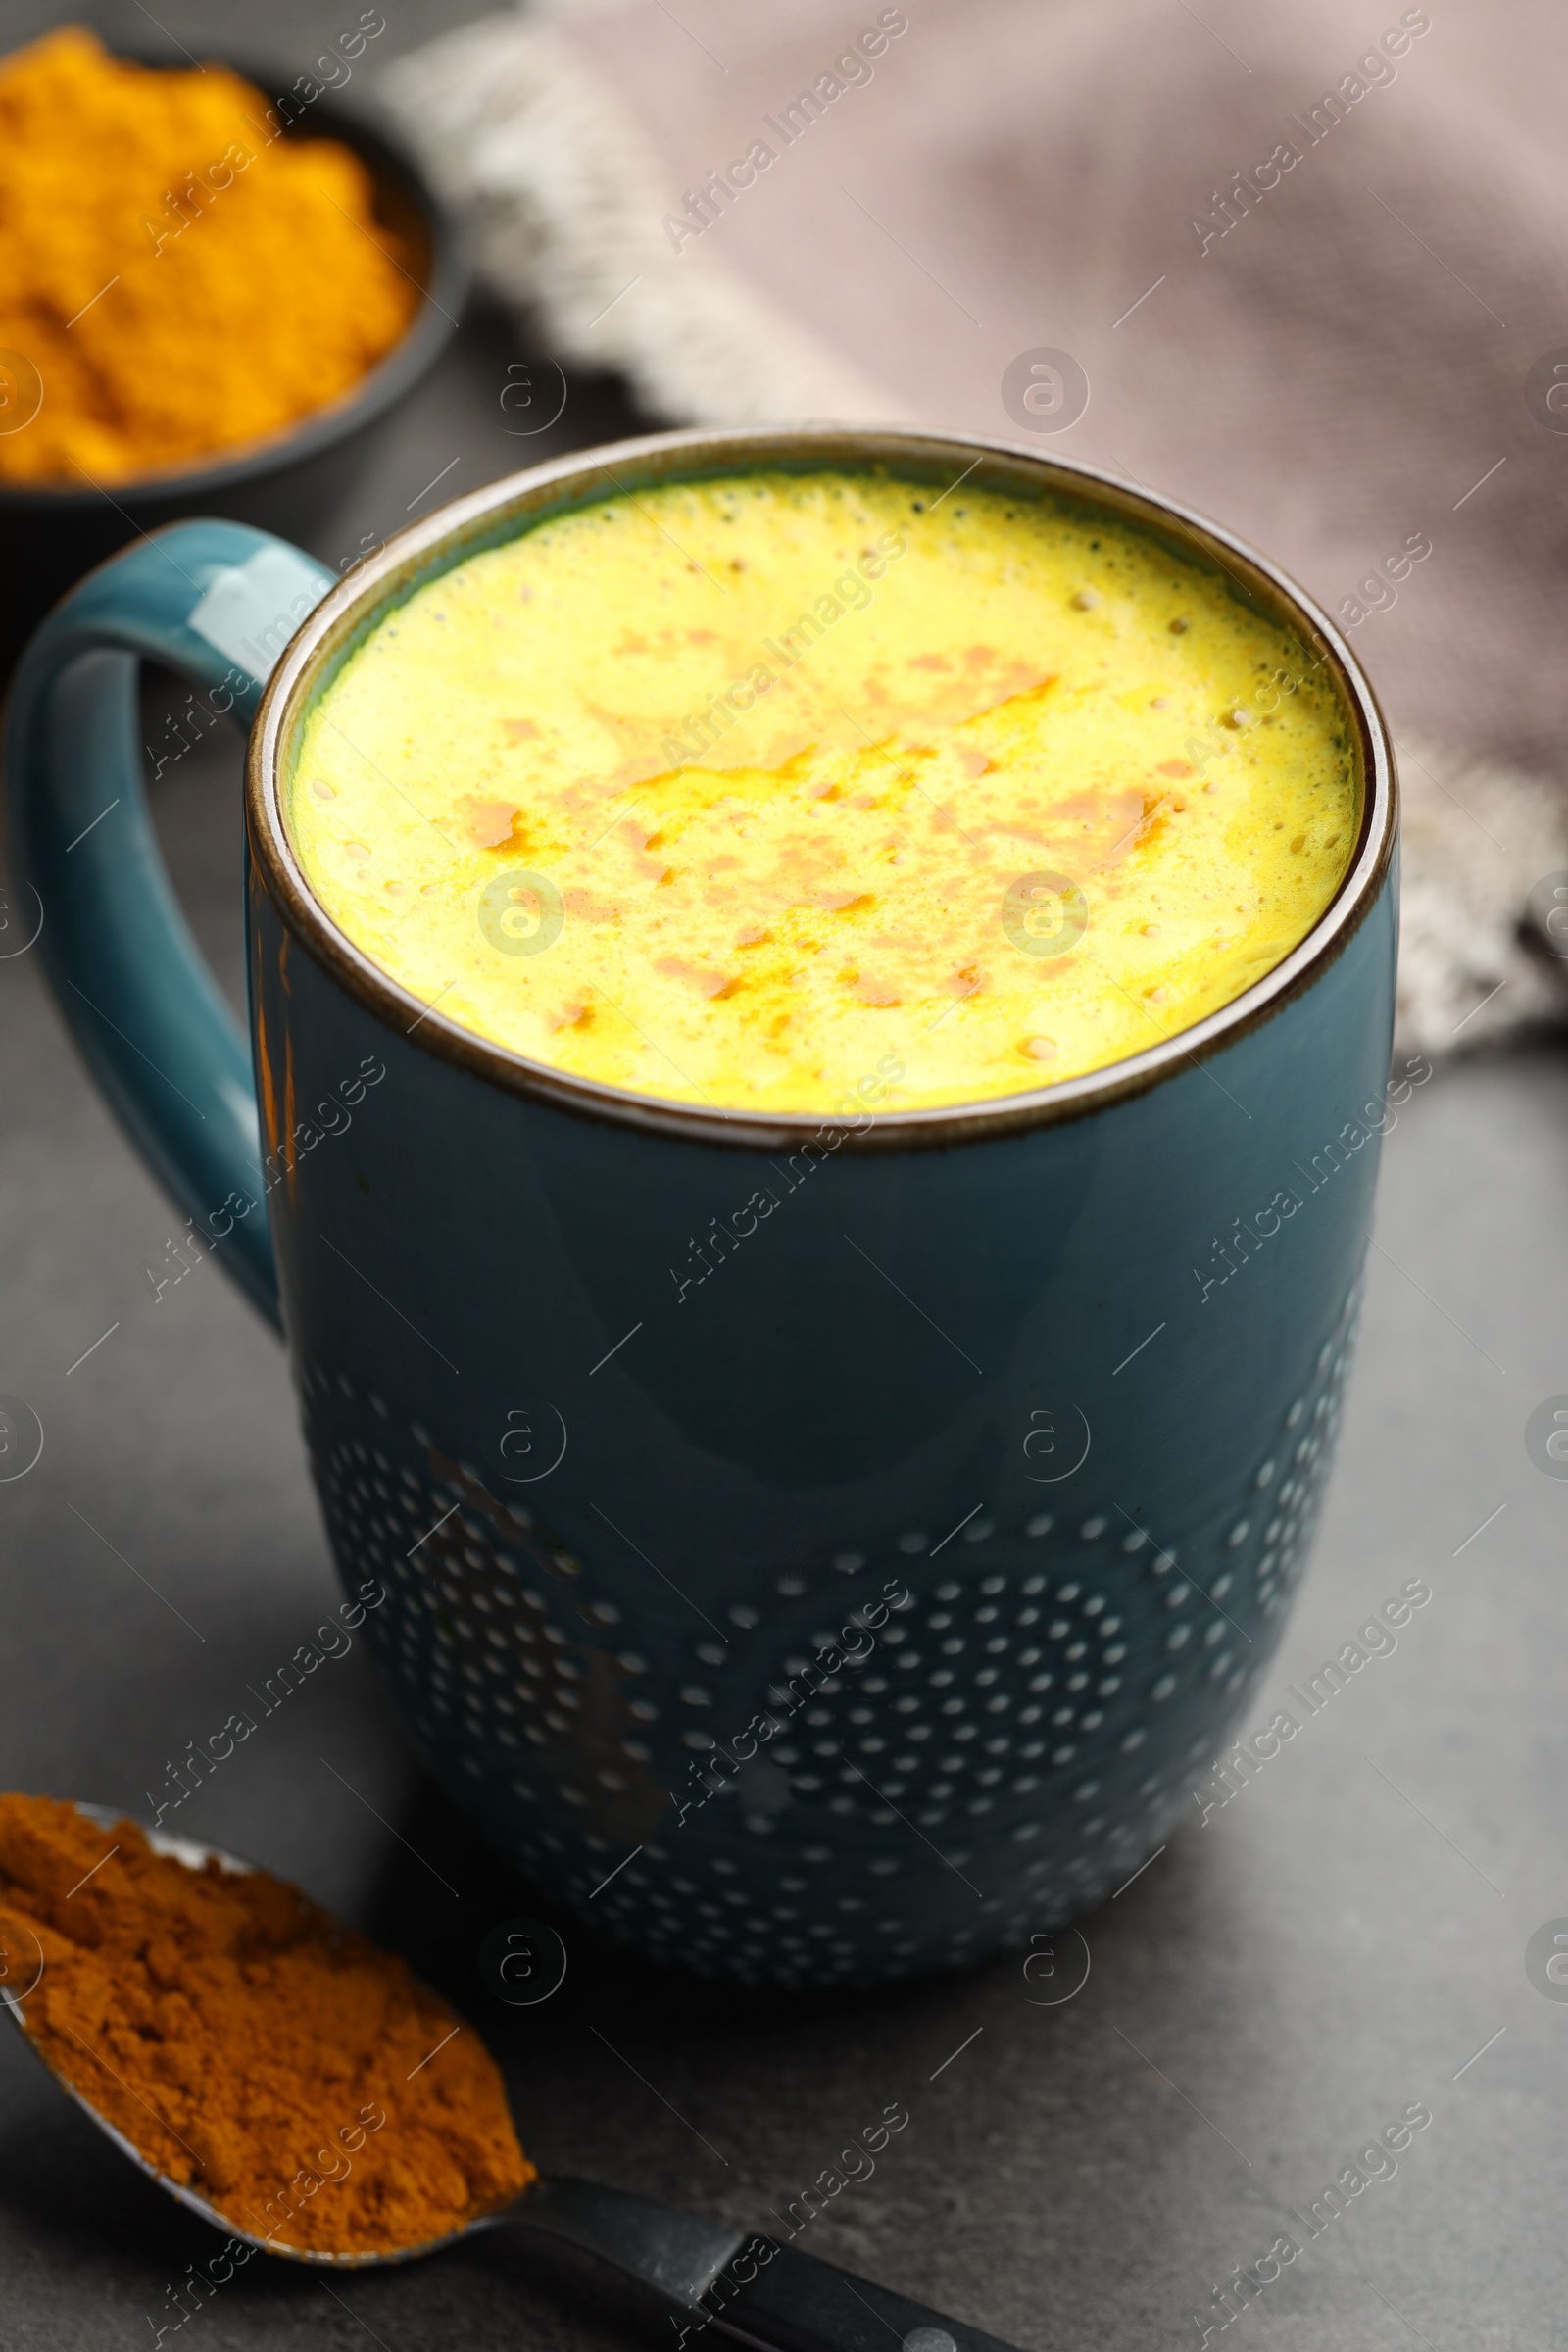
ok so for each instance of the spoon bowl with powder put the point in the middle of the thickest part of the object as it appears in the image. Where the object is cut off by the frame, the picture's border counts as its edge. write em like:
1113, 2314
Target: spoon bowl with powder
306, 2094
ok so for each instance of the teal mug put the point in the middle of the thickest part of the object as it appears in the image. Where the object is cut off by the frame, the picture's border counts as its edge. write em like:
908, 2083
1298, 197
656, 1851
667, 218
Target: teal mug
880, 1601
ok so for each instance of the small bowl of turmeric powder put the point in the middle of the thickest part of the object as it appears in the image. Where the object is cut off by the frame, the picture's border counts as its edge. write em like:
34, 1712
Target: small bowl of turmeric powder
209, 301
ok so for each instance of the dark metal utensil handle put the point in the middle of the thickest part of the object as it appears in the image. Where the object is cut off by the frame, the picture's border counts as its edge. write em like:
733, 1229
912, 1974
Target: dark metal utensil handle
775, 2299
750, 2290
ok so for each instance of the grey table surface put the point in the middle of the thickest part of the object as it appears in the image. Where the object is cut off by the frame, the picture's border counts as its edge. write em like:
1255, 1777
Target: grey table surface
1343, 1941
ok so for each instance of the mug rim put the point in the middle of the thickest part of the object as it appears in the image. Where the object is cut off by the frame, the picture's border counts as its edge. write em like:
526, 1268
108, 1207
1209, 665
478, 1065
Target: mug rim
411, 558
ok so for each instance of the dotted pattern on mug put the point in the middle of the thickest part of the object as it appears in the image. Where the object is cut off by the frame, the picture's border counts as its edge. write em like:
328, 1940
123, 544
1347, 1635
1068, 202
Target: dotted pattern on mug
1006, 1705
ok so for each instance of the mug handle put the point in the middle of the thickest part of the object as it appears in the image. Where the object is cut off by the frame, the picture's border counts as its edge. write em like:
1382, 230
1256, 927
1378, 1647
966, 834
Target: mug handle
215, 601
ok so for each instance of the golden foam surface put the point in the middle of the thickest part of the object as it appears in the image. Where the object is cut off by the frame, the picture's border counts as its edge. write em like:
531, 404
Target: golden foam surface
802, 792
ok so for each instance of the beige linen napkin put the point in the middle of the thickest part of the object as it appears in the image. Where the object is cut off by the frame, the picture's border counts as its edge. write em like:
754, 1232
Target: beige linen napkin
1308, 262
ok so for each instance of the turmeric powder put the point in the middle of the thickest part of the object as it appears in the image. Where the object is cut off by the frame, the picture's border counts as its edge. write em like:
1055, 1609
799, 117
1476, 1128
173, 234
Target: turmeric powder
253, 2048
177, 277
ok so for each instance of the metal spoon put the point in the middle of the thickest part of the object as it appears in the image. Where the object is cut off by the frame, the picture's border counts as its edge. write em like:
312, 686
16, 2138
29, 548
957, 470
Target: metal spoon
754, 2290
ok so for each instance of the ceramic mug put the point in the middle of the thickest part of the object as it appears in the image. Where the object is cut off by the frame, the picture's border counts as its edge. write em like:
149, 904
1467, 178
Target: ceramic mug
818, 1548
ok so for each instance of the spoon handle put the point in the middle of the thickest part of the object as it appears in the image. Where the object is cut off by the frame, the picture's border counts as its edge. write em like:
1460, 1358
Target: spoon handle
750, 2290
793, 2302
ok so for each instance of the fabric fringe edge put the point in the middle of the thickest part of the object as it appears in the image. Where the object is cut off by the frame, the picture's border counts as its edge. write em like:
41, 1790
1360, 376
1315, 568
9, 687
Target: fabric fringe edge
1476, 959
565, 205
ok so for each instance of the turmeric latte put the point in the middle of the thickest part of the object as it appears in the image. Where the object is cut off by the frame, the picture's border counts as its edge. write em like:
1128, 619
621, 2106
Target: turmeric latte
784, 790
